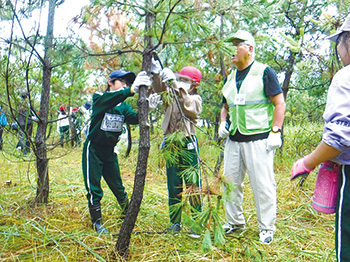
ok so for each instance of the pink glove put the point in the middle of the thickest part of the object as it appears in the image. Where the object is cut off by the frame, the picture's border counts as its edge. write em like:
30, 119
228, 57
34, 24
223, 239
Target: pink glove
299, 169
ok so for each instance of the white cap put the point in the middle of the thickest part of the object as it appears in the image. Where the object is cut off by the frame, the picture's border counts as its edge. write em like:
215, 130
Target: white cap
343, 28
242, 35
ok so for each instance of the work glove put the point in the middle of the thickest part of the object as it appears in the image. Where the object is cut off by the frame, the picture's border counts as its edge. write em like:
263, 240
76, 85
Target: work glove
167, 75
155, 67
153, 101
142, 79
274, 140
299, 169
223, 131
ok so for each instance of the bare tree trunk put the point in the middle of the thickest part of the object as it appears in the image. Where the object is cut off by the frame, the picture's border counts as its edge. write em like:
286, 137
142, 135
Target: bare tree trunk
285, 85
288, 75
122, 245
42, 193
73, 131
217, 117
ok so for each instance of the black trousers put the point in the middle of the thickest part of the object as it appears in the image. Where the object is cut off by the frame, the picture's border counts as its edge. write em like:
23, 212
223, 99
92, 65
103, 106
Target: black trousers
342, 222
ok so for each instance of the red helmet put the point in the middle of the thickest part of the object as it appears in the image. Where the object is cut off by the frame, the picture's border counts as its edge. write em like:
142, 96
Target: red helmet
193, 72
62, 108
75, 109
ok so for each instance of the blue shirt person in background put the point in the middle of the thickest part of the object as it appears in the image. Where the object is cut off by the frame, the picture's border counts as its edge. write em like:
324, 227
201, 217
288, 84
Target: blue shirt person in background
3, 123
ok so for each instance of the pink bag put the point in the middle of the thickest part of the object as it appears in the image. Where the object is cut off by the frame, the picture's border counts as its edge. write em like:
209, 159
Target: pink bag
326, 188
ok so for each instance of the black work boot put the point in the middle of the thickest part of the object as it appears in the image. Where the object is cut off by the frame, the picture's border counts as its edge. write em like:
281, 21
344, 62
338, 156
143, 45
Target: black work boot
96, 219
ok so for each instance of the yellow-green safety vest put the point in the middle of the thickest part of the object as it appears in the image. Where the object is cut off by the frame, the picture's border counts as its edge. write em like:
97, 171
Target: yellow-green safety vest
251, 112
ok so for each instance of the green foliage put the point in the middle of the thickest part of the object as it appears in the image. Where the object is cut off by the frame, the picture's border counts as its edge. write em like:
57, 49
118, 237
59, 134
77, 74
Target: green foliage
173, 151
209, 218
207, 243
190, 173
192, 37
303, 106
298, 140
219, 238
293, 45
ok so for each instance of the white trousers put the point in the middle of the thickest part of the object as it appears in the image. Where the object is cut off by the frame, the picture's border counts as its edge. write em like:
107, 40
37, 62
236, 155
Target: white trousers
252, 158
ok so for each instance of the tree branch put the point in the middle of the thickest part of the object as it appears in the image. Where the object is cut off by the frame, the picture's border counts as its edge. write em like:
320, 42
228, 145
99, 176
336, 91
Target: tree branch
164, 25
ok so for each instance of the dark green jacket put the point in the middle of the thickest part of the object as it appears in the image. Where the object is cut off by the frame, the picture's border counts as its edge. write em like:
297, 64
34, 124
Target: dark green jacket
109, 113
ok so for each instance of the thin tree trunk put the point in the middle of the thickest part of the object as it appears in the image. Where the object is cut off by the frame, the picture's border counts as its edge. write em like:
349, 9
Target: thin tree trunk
122, 245
288, 75
42, 193
285, 85
217, 117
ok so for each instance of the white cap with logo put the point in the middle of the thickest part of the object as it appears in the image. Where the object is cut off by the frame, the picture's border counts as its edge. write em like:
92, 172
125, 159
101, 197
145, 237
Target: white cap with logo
242, 35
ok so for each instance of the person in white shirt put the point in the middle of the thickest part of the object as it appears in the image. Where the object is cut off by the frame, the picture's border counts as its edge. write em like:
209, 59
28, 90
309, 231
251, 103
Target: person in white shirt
63, 125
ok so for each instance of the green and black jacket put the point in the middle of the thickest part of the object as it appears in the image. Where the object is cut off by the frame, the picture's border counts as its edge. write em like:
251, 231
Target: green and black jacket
109, 113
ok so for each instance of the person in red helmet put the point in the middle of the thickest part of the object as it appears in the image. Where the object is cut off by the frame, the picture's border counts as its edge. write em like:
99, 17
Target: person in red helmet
182, 164
63, 125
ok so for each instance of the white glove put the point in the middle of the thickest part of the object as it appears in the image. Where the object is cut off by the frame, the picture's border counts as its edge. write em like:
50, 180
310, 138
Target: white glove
274, 141
223, 132
155, 67
167, 75
153, 101
142, 79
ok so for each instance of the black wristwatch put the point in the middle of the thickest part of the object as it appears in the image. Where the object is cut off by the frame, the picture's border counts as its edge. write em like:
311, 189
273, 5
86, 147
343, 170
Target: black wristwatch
276, 129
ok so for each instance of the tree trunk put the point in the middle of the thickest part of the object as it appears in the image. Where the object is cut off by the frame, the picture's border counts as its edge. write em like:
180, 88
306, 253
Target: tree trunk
122, 245
218, 116
288, 75
73, 131
42, 193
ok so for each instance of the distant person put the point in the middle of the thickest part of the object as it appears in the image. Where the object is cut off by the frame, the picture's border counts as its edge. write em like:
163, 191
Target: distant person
109, 113
254, 101
181, 118
3, 123
335, 145
25, 121
63, 125
77, 120
86, 109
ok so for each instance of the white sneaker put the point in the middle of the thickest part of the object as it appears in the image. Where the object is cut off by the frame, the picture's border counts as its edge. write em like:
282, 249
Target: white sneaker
266, 236
194, 234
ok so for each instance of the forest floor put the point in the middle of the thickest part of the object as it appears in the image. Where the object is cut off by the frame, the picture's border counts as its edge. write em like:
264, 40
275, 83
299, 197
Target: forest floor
61, 230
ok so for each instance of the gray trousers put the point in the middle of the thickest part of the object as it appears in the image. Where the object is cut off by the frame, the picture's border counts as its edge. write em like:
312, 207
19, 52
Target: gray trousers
252, 158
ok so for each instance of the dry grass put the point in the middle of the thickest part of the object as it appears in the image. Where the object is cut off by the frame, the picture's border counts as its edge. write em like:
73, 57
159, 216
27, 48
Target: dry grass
61, 230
